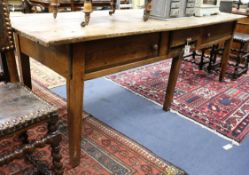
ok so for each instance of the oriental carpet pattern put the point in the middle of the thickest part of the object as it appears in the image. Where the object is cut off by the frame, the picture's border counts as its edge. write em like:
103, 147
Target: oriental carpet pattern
221, 106
104, 151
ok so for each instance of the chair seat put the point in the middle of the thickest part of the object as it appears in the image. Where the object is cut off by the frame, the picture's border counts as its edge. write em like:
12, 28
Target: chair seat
241, 37
20, 107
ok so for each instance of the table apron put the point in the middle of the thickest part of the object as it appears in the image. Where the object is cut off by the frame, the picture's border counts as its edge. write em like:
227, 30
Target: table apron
107, 56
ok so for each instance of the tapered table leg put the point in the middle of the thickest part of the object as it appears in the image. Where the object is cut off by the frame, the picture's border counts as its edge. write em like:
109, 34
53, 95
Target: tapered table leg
74, 102
174, 71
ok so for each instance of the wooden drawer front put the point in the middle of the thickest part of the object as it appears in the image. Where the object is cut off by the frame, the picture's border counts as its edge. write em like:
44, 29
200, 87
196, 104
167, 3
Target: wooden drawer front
179, 37
102, 54
215, 32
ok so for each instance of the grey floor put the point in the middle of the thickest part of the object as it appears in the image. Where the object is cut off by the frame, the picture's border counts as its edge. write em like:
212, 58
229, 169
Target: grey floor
185, 144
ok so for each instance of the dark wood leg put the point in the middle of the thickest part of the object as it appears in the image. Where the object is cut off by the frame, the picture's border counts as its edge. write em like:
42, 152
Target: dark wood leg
202, 59
39, 167
74, 103
174, 71
211, 59
87, 10
147, 9
193, 55
238, 60
113, 6
55, 144
12, 67
225, 58
25, 69
24, 137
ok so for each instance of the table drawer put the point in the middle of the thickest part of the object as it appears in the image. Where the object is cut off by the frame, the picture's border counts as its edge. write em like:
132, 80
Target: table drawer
102, 54
179, 37
216, 32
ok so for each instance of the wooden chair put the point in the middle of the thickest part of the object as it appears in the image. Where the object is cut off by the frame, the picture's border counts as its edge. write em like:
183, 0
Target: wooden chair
240, 55
202, 59
21, 110
205, 57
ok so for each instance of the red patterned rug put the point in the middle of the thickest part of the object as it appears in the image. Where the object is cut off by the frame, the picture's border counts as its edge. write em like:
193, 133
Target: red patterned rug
223, 107
104, 150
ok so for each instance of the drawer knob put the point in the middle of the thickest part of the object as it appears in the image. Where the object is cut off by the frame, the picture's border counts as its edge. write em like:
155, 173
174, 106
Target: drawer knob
208, 35
155, 47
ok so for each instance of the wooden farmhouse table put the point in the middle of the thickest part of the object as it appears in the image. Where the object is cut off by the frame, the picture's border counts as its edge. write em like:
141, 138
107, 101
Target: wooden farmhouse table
111, 44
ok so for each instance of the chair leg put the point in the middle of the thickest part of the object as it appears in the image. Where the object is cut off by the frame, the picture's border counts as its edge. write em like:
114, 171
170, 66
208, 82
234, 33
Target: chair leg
113, 7
39, 167
55, 144
202, 59
147, 9
215, 53
238, 60
211, 59
24, 137
194, 57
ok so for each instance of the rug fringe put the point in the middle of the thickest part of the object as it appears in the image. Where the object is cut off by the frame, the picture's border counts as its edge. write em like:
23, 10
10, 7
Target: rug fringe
234, 142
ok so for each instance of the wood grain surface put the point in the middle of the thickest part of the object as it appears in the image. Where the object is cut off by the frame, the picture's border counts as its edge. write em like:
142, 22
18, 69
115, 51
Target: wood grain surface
66, 27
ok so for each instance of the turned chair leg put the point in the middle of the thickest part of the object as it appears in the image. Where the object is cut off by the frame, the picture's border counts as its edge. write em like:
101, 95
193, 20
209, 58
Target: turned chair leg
238, 60
55, 144
236, 68
194, 56
212, 55
39, 167
147, 9
202, 59
87, 10
113, 6
23, 137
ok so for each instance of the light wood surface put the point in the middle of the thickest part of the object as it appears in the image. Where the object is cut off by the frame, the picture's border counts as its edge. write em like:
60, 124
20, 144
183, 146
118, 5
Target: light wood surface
66, 27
